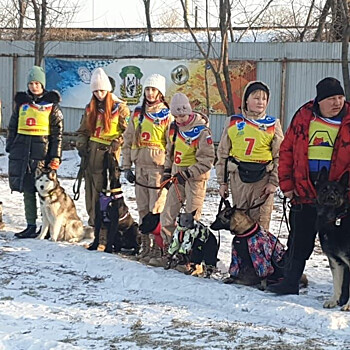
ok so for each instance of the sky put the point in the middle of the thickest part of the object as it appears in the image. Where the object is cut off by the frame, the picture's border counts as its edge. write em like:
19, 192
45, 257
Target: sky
131, 13
119, 13
60, 296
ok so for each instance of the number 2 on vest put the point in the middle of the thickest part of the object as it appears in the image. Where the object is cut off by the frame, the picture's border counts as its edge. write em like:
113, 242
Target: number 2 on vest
249, 149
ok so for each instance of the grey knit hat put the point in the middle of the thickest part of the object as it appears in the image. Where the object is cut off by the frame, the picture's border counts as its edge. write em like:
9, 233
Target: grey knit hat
180, 105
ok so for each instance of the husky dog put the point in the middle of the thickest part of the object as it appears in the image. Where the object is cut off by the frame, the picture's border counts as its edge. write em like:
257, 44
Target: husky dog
58, 211
333, 223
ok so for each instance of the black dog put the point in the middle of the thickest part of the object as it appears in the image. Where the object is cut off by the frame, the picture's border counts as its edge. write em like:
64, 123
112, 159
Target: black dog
113, 214
333, 224
202, 247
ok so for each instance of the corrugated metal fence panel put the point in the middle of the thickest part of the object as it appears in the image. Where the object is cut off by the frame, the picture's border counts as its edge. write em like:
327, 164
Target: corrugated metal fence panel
72, 118
271, 74
301, 76
5, 90
301, 80
217, 123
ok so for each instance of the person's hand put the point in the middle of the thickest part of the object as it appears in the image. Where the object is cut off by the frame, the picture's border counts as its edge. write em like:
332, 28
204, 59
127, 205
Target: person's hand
223, 190
289, 194
268, 189
181, 177
54, 164
129, 175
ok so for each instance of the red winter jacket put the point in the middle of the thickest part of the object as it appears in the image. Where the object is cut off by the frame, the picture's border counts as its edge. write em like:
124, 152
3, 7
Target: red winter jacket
293, 170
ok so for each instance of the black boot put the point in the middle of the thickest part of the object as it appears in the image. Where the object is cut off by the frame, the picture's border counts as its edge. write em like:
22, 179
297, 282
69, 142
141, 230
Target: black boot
290, 282
29, 232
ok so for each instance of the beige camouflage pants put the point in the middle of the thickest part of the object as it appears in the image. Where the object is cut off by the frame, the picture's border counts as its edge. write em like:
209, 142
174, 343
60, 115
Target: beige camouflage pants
247, 195
192, 194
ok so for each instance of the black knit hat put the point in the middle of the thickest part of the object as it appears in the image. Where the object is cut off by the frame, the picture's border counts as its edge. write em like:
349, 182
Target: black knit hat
257, 85
328, 87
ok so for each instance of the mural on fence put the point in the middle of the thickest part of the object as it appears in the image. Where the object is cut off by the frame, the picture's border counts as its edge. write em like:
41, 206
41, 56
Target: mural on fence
72, 80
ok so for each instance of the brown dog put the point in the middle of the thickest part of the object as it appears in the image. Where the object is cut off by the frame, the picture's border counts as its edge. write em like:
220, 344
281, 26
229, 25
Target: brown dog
256, 254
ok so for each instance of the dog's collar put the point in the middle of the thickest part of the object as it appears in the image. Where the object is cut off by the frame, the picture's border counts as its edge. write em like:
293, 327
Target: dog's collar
249, 232
124, 216
49, 194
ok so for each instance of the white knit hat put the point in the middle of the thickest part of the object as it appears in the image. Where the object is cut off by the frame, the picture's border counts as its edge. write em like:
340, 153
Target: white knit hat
156, 81
100, 81
180, 105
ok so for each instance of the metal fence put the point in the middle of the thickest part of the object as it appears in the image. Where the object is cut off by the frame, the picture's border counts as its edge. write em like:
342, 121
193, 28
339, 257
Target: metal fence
291, 70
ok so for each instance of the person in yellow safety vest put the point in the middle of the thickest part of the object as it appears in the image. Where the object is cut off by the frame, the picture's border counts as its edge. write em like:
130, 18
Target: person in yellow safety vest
189, 159
248, 153
34, 141
101, 130
145, 146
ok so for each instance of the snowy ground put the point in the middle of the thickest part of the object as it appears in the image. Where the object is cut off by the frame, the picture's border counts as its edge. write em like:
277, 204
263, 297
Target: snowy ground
61, 296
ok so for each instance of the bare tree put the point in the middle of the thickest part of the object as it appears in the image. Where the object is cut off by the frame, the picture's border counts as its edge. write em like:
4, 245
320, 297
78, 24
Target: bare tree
322, 20
40, 14
345, 45
147, 4
22, 7
219, 65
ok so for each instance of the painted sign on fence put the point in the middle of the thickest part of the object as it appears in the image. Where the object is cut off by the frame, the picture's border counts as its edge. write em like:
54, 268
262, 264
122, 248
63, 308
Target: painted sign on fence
72, 80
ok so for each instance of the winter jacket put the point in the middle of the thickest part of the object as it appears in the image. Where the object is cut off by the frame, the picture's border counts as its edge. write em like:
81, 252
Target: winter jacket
293, 170
150, 156
197, 135
27, 151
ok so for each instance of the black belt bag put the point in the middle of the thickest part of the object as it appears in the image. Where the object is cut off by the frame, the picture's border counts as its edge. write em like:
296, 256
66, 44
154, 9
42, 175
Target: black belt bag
250, 172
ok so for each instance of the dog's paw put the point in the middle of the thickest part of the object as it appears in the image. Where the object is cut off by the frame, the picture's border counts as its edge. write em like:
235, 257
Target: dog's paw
346, 307
330, 303
101, 247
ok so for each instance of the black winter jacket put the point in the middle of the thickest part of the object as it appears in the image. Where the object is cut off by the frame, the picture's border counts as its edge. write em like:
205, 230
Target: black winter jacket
27, 152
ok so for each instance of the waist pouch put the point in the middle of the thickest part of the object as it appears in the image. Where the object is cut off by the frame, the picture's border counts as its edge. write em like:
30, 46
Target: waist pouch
251, 172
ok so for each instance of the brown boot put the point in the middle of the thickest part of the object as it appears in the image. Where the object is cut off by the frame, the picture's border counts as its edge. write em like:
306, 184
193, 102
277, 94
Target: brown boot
155, 256
145, 247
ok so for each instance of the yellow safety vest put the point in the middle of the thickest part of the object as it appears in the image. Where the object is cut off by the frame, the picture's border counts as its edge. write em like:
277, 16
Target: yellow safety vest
34, 119
154, 127
322, 134
251, 139
186, 145
103, 137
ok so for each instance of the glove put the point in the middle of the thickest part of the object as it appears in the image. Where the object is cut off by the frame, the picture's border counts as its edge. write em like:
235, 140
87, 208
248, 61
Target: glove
129, 175
166, 177
54, 164
182, 177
